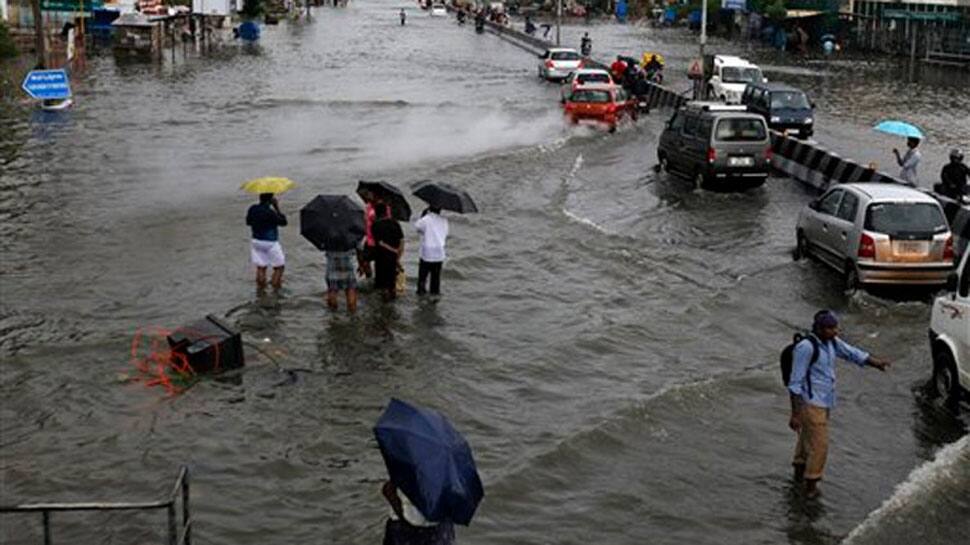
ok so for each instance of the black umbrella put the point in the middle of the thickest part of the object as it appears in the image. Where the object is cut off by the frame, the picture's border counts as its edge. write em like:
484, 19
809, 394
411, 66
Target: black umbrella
390, 194
332, 222
446, 197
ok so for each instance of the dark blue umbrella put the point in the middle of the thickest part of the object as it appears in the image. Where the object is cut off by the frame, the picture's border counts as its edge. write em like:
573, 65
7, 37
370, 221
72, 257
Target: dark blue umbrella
430, 462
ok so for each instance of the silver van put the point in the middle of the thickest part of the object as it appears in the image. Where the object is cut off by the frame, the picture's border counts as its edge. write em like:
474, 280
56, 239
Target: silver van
877, 233
715, 144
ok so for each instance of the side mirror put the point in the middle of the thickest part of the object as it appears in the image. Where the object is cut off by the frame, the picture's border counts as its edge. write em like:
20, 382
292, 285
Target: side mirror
812, 104
814, 204
951, 282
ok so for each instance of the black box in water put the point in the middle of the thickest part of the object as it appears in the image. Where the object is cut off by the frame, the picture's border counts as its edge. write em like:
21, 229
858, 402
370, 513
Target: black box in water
208, 345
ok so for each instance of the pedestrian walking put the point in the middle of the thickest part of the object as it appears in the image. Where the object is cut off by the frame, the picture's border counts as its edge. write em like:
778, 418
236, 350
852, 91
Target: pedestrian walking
341, 276
264, 219
586, 44
909, 161
433, 228
406, 525
404, 17
388, 250
811, 388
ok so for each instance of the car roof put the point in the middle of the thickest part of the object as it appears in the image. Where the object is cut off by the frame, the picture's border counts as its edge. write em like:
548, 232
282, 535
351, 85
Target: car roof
556, 49
732, 60
591, 71
880, 191
773, 86
597, 86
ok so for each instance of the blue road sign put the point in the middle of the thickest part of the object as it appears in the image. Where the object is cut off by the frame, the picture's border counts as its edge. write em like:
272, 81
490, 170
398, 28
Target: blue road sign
47, 84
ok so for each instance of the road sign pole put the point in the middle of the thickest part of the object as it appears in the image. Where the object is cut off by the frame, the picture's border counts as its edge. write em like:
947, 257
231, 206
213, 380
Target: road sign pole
40, 45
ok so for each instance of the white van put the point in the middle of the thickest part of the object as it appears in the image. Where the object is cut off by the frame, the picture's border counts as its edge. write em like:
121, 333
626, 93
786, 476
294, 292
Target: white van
729, 76
950, 336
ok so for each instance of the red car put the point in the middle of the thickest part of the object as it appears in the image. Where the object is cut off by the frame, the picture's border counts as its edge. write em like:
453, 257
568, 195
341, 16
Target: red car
601, 103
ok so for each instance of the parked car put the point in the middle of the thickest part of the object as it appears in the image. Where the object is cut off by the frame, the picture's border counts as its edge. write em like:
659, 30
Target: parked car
785, 108
583, 76
729, 75
556, 63
606, 104
950, 336
717, 143
877, 233
439, 10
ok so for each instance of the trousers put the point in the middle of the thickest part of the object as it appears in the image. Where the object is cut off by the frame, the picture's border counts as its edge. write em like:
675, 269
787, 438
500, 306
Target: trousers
812, 447
432, 269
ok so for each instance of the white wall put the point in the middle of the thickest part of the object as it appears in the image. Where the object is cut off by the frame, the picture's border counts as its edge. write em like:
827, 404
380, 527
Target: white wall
3, 9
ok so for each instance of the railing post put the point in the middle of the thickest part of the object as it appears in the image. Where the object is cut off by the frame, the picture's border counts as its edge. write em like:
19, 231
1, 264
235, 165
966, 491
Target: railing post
185, 505
172, 534
47, 527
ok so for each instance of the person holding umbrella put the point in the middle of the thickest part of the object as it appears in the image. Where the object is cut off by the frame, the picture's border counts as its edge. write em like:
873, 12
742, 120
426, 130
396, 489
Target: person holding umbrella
433, 481
388, 250
909, 161
433, 228
335, 225
264, 219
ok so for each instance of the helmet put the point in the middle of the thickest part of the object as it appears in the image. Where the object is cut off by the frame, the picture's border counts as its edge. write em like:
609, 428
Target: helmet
956, 155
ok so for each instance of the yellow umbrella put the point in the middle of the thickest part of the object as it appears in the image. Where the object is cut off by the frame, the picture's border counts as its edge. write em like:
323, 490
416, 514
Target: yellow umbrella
268, 184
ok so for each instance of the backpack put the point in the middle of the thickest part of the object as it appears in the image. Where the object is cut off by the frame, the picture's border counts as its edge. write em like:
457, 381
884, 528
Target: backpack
787, 356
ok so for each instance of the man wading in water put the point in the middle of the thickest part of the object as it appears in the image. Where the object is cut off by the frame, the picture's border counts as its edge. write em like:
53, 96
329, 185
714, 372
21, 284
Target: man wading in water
812, 391
265, 219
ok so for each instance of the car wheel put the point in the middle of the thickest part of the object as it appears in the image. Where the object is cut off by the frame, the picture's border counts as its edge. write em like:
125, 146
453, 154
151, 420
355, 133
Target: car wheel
613, 128
946, 385
852, 282
801, 247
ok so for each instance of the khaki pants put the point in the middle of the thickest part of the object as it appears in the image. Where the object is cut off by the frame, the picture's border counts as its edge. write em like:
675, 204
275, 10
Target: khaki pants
813, 441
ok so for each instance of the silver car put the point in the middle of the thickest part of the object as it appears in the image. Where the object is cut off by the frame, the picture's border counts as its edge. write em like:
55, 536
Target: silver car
557, 63
877, 233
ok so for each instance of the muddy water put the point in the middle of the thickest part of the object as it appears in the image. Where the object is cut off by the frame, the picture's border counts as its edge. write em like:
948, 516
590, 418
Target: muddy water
607, 338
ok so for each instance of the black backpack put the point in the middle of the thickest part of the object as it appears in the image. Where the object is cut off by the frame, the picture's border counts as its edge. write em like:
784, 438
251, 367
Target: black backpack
786, 359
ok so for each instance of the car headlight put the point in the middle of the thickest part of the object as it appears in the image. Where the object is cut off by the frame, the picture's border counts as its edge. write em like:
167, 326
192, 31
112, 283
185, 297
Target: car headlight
775, 119
808, 121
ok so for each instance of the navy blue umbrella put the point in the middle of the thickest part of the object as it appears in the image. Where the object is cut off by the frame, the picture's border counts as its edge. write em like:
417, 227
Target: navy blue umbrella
430, 462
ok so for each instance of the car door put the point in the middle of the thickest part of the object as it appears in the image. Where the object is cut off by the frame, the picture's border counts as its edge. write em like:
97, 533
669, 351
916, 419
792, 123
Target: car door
818, 229
681, 157
842, 229
961, 331
670, 137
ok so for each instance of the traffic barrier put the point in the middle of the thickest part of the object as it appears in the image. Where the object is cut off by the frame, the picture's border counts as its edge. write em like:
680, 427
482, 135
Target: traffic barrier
812, 164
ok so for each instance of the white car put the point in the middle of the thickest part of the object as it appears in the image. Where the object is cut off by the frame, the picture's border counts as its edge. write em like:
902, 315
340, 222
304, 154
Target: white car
950, 336
439, 10
556, 63
730, 75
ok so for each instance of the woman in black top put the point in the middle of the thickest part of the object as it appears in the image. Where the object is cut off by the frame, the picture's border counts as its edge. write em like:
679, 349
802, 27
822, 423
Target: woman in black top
389, 247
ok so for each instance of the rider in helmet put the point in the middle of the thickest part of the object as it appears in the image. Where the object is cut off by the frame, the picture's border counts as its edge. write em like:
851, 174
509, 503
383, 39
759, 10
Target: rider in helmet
953, 177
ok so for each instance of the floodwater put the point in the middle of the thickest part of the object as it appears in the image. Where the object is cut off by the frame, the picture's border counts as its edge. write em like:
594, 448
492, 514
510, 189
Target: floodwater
607, 339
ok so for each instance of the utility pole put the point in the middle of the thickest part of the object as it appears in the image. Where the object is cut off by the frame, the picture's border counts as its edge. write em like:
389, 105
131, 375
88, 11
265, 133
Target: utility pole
703, 26
40, 44
558, 19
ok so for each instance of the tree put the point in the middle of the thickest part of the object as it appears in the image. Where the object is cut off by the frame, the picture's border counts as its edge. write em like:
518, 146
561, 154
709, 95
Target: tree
8, 49
252, 8
776, 12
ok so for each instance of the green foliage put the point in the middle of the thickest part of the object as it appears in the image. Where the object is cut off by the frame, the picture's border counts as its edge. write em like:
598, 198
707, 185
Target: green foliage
252, 8
8, 49
776, 11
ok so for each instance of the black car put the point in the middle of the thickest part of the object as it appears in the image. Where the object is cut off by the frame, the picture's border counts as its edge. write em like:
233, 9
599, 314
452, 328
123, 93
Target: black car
785, 108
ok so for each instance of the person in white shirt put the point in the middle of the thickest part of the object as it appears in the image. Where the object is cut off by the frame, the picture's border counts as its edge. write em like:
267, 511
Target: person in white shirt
909, 161
434, 231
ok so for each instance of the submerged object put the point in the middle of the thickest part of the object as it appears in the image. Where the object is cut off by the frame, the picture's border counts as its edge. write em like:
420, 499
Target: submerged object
249, 31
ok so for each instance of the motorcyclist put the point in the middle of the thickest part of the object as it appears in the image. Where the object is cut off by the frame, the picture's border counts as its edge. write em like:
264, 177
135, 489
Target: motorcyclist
654, 68
461, 17
953, 177
631, 75
480, 21
586, 44
618, 68
404, 17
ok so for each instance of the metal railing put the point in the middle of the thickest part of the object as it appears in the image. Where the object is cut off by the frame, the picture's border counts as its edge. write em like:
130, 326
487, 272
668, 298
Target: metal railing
175, 537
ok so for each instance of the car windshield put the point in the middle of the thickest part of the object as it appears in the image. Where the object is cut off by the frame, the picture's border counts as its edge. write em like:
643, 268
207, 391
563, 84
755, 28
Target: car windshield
789, 99
593, 78
905, 218
740, 130
737, 74
590, 95
565, 56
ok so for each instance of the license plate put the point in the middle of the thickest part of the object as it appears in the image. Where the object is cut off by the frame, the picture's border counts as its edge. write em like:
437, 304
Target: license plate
912, 247
740, 161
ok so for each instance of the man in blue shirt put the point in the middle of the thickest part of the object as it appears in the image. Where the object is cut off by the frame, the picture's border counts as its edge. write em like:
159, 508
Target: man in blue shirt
812, 392
265, 219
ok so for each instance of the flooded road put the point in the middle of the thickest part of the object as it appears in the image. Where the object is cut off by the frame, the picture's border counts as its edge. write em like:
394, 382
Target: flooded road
607, 340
